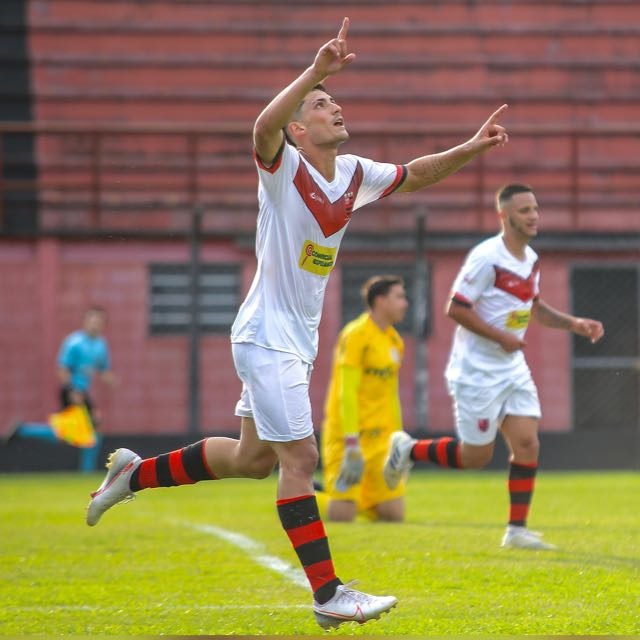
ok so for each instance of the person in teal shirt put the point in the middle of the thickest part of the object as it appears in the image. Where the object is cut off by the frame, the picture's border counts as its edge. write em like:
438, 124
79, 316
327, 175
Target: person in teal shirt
82, 355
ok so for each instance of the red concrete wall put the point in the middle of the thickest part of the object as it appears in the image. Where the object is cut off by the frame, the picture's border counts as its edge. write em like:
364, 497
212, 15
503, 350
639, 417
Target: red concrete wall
153, 370
46, 286
126, 61
195, 62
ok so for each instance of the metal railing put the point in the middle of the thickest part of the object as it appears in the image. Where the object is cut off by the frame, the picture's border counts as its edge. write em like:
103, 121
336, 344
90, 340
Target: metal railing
97, 178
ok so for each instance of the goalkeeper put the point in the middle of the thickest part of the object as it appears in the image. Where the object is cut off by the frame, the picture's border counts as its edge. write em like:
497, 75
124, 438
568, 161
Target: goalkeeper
362, 408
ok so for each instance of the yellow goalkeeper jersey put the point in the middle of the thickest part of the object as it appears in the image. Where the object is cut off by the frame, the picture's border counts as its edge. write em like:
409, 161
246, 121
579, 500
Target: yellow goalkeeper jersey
377, 356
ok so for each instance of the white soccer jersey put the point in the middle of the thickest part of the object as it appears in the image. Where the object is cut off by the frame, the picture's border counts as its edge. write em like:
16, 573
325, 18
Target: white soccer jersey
301, 222
502, 290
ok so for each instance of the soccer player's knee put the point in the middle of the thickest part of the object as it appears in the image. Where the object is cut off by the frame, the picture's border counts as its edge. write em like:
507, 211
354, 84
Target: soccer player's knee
308, 461
477, 458
529, 446
304, 463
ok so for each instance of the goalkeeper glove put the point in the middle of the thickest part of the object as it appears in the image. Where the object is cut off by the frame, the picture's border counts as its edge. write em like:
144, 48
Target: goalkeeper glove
352, 464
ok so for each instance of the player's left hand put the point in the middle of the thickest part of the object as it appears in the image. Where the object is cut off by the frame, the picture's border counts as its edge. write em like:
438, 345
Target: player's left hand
491, 134
352, 465
588, 328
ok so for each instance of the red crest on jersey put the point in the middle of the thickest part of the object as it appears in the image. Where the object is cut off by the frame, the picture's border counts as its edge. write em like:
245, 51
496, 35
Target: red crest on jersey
483, 424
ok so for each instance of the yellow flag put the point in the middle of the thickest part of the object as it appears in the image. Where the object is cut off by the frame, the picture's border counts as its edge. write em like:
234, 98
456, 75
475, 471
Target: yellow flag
73, 425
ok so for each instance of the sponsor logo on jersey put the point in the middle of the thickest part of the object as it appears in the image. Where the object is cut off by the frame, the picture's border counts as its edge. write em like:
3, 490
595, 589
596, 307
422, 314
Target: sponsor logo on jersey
317, 259
383, 374
518, 319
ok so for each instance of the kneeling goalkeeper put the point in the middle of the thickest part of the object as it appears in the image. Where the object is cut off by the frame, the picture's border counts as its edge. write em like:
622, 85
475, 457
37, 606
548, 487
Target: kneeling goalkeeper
362, 408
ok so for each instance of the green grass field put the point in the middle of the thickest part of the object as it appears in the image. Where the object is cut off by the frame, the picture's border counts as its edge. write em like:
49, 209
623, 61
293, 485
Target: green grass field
159, 565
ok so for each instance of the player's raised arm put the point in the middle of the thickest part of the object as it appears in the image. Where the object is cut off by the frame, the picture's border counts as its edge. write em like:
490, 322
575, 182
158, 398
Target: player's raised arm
430, 169
331, 58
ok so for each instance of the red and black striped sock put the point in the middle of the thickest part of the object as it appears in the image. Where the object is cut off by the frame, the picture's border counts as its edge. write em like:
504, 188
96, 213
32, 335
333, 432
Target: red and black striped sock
301, 520
522, 478
441, 451
182, 466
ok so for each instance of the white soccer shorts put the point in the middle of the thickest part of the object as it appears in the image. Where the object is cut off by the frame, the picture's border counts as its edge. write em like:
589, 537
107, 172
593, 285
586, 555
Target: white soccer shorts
479, 411
275, 392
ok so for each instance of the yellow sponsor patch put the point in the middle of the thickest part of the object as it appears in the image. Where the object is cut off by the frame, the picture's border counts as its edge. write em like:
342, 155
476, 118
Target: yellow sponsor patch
518, 319
317, 259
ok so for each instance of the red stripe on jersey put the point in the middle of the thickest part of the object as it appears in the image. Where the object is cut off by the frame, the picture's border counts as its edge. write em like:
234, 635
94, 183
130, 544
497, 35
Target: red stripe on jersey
331, 216
401, 174
178, 472
515, 285
275, 164
306, 533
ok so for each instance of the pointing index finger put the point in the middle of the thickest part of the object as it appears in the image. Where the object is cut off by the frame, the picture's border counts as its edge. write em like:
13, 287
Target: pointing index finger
344, 29
498, 112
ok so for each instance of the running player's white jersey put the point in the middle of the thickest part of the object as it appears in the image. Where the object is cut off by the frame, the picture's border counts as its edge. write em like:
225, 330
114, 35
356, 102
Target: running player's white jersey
502, 290
301, 221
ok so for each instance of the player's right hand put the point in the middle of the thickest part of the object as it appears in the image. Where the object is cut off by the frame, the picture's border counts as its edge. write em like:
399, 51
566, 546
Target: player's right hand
510, 342
352, 465
333, 56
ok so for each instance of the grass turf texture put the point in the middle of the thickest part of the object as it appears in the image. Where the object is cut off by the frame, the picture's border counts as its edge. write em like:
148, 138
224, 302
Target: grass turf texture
145, 571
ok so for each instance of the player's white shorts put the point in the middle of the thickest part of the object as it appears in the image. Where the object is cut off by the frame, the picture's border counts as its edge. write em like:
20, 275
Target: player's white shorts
479, 411
275, 392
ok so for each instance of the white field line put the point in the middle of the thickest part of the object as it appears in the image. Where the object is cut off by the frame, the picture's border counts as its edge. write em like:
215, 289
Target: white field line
255, 551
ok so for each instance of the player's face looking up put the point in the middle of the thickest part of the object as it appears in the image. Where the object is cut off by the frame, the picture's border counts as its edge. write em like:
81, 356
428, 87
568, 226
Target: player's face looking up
320, 120
520, 215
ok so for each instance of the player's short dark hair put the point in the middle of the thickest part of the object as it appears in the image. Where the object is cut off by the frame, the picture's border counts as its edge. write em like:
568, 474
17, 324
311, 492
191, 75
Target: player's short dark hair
504, 194
296, 113
377, 286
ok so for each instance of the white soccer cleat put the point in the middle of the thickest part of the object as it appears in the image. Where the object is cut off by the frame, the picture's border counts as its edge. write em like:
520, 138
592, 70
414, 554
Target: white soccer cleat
115, 487
398, 462
522, 538
349, 605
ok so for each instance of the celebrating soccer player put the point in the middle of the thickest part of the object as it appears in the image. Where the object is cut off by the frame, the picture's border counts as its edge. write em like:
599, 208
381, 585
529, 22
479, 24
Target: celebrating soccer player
307, 195
494, 296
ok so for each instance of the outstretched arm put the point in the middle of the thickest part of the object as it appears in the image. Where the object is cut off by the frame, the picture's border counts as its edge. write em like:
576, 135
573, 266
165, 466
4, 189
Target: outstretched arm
430, 169
331, 58
549, 317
